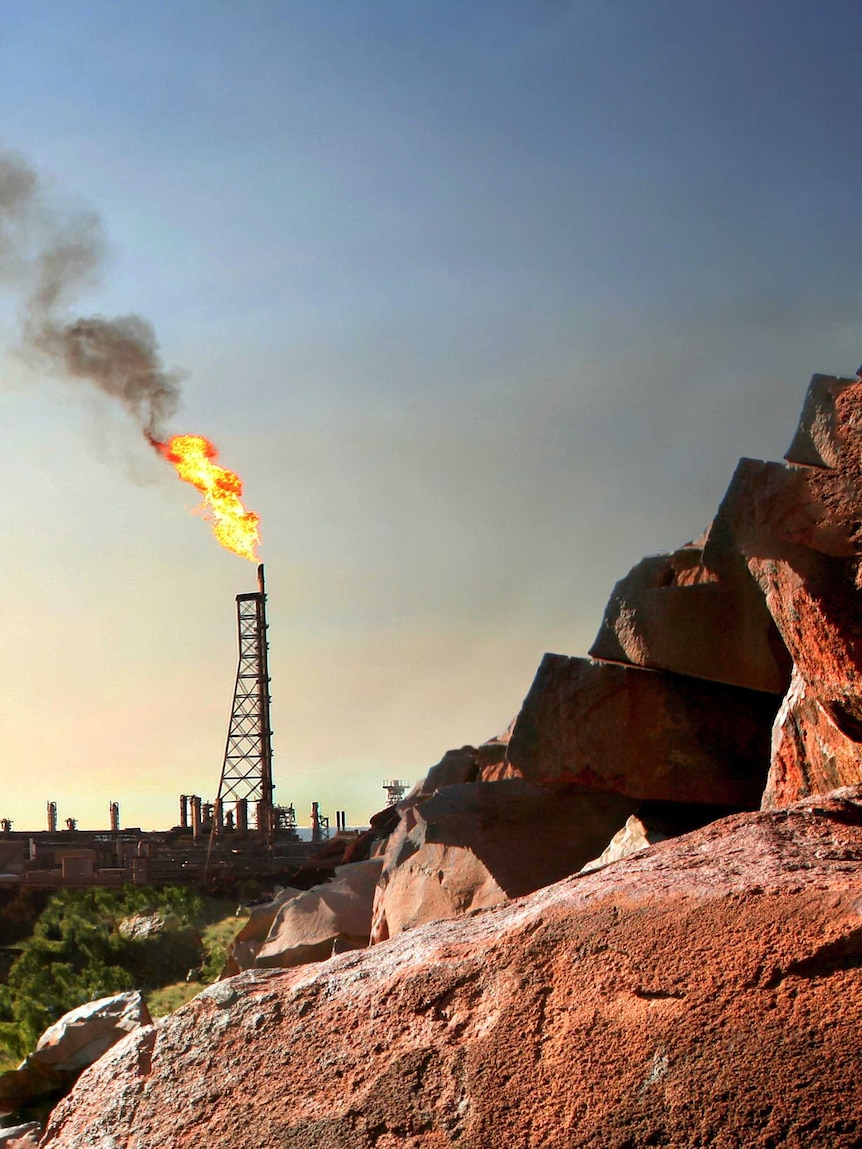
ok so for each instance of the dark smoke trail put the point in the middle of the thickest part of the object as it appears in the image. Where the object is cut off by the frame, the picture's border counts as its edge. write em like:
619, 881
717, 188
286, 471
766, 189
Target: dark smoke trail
48, 259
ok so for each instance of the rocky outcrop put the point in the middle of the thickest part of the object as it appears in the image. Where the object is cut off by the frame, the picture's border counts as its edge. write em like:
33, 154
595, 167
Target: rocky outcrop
810, 755
671, 612
818, 438
599, 726
79, 1038
703, 992
337, 914
474, 845
682, 700
245, 946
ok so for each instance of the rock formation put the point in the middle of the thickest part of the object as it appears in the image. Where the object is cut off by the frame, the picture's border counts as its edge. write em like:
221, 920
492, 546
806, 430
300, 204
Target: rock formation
699, 991
703, 992
335, 915
476, 844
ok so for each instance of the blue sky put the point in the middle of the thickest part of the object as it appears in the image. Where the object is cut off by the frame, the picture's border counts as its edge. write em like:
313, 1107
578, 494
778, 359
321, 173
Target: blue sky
483, 301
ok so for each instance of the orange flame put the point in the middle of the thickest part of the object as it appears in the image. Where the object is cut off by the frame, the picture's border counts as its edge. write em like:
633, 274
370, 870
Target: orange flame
194, 457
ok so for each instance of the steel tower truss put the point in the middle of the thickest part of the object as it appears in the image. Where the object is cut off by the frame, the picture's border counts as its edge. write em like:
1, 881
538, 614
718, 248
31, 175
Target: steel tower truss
247, 770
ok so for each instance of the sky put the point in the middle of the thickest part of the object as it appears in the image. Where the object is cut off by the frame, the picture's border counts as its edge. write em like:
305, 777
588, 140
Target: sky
482, 301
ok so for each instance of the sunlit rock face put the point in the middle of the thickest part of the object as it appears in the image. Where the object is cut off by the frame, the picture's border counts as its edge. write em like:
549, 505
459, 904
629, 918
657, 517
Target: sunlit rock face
475, 845
703, 992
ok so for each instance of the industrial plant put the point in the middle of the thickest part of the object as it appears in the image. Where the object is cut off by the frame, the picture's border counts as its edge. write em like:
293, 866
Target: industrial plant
241, 834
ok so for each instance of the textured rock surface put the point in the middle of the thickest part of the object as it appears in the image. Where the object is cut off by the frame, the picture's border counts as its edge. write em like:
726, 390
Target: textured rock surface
306, 927
599, 726
817, 442
704, 993
796, 531
475, 845
810, 755
673, 613
799, 530
25, 1136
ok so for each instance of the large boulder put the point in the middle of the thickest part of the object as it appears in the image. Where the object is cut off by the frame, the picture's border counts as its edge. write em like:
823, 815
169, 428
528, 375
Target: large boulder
703, 993
671, 612
799, 531
79, 1038
818, 438
478, 844
600, 726
246, 944
336, 914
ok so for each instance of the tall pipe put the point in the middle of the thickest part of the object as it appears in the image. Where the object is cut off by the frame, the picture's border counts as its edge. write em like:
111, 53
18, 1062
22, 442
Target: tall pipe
196, 816
114, 812
52, 817
184, 811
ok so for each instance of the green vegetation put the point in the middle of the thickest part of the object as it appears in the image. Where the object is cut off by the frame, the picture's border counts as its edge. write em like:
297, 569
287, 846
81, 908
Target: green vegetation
77, 954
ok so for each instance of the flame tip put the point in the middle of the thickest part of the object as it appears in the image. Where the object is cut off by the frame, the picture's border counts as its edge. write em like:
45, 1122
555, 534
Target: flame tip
193, 457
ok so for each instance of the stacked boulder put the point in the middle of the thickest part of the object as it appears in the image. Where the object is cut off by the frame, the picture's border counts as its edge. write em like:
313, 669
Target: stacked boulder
726, 675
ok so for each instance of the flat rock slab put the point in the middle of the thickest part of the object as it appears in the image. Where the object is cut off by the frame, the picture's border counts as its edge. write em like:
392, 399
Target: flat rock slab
671, 612
599, 726
703, 993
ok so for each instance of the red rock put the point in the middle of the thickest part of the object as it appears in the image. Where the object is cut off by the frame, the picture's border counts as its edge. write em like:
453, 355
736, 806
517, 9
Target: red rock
598, 726
307, 926
817, 442
703, 993
671, 612
797, 530
245, 946
24, 1136
469, 764
476, 845
810, 755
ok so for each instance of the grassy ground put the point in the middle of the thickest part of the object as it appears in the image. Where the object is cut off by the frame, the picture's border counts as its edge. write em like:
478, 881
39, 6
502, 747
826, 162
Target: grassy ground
77, 954
216, 937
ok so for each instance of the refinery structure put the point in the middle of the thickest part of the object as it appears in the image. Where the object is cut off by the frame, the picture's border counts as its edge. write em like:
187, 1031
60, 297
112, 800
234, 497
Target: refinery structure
240, 834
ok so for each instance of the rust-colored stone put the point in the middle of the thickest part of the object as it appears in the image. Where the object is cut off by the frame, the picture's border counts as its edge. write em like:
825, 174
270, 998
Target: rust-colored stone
478, 844
671, 612
600, 726
810, 755
817, 442
705, 992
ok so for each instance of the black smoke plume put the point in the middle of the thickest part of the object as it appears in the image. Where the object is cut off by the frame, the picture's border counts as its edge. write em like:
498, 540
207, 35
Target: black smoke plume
47, 257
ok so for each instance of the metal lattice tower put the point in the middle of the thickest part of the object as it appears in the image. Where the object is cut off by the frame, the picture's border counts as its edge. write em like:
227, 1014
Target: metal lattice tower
247, 771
